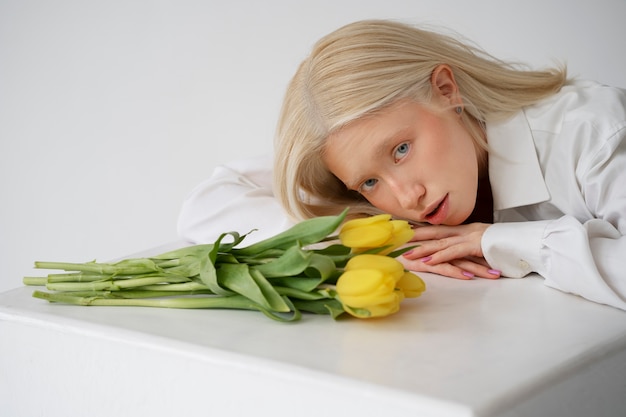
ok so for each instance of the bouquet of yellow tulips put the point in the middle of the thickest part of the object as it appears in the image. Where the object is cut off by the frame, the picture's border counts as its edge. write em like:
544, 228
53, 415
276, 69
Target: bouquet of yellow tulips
304, 269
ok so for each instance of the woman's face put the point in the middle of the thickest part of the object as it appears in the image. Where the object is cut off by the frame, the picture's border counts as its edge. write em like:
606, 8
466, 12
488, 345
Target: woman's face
410, 160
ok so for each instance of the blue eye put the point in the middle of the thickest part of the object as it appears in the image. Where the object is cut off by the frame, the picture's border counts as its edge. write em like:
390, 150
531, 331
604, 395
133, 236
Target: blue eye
401, 151
367, 185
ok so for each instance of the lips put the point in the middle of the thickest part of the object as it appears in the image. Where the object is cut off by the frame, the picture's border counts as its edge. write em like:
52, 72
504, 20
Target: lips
438, 212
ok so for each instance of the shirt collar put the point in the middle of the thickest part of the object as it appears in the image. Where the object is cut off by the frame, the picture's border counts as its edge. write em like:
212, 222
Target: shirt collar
514, 171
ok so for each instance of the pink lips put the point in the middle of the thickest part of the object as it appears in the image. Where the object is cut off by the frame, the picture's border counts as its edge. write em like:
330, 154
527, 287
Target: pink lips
440, 213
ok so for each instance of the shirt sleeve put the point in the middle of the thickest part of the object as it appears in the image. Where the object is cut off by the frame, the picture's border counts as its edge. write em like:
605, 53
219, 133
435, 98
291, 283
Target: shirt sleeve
587, 259
238, 197
583, 256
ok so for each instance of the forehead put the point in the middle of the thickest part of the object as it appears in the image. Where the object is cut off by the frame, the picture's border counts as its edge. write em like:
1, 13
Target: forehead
356, 149
375, 127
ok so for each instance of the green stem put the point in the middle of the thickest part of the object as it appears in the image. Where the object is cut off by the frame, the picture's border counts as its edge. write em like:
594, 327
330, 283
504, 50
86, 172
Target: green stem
38, 281
115, 285
185, 286
141, 293
237, 302
231, 302
77, 277
99, 268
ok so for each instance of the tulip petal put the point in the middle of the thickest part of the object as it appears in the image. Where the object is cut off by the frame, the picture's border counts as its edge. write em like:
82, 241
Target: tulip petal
365, 221
371, 236
386, 309
357, 282
385, 264
411, 285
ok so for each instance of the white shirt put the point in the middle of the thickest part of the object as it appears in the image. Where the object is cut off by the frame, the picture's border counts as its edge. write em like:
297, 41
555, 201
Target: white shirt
558, 176
237, 197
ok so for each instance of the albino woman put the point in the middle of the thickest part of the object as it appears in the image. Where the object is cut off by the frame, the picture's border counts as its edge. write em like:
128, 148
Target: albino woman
504, 171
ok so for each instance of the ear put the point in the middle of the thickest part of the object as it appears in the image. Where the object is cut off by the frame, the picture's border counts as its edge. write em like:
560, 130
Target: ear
444, 85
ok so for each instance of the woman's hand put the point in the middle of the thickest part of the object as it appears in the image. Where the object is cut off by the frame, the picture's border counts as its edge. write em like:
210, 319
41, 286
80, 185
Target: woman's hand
453, 251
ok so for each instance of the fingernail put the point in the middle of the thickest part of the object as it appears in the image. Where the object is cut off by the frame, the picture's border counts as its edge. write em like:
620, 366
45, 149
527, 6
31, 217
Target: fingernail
408, 253
494, 272
468, 274
426, 259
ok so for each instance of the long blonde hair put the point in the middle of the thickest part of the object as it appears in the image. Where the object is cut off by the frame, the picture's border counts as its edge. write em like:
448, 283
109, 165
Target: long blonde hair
364, 67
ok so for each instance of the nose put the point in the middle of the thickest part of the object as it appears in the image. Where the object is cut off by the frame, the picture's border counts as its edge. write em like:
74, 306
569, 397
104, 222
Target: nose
407, 193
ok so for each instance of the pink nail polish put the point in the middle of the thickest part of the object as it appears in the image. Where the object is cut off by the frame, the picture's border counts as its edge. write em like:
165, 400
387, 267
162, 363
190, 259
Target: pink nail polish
426, 259
408, 253
468, 274
494, 272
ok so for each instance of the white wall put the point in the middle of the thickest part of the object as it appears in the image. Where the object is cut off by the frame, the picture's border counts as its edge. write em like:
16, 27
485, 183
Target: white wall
111, 111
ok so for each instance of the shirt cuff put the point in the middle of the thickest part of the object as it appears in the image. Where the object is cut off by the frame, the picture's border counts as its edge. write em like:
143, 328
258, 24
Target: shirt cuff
515, 248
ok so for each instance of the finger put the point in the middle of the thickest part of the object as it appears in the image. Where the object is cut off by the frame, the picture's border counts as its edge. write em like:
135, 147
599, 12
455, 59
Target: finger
423, 249
445, 269
466, 268
431, 247
476, 269
449, 250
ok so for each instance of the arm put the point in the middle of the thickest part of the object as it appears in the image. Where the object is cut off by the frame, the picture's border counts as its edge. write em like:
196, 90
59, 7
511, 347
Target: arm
582, 253
237, 197
586, 254
452, 251
588, 259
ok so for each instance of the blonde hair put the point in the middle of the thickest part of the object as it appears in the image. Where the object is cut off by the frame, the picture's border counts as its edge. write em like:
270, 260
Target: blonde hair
365, 66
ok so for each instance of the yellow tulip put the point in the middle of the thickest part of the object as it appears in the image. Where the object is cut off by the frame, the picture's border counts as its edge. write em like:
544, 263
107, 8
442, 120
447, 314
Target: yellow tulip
389, 266
374, 286
411, 285
375, 232
368, 293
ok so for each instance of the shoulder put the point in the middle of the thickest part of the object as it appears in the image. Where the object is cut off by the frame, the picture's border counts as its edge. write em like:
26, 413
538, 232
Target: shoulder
585, 119
257, 170
583, 104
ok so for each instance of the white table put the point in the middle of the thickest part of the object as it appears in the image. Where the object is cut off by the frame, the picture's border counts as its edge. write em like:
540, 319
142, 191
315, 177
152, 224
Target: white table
465, 348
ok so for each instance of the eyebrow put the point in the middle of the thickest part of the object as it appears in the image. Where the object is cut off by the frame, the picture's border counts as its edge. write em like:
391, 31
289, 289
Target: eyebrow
380, 150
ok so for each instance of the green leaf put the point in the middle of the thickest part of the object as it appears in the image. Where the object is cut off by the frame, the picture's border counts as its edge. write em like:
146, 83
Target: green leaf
305, 284
293, 314
258, 258
324, 306
335, 308
400, 251
210, 277
320, 266
299, 294
237, 239
361, 312
292, 262
207, 272
336, 250
238, 279
339, 254
275, 301
188, 266
226, 258
306, 232
193, 251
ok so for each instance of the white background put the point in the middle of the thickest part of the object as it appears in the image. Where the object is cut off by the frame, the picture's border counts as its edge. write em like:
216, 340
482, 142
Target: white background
112, 111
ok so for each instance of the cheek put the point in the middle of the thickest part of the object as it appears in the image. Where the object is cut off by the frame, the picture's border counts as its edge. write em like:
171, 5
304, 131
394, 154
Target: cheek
380, 201
385, 201
442, 144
